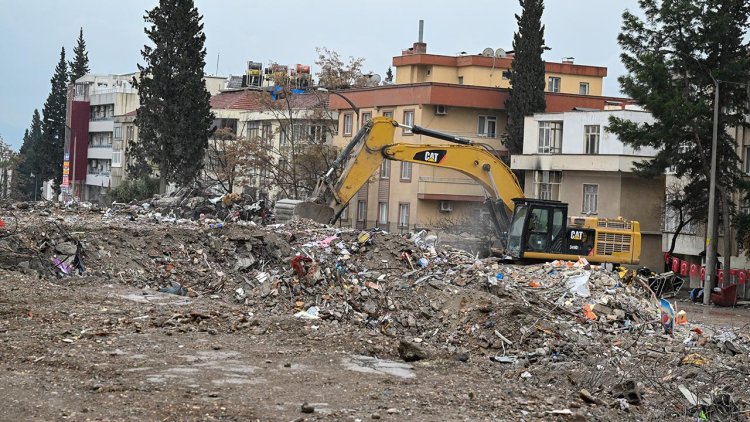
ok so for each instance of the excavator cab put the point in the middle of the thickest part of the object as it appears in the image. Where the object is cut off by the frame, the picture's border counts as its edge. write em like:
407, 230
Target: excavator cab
539, 227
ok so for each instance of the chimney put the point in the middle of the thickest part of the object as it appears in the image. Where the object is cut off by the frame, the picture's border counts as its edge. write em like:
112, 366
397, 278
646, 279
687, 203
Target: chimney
568, 60
420, 47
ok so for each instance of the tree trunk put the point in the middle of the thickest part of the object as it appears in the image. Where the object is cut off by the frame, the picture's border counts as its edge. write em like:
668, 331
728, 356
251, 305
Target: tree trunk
162, 178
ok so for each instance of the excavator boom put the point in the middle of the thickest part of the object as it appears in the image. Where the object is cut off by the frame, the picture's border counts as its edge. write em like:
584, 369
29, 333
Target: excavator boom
538, 230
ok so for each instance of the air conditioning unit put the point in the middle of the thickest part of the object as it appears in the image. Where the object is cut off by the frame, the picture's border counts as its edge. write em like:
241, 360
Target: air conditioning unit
446, 206
441, 110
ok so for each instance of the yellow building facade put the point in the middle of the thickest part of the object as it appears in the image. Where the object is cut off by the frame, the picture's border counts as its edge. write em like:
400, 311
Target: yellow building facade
461, 95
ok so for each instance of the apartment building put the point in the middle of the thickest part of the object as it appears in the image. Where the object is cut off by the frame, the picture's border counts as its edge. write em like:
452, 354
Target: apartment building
571, 157
93, 103
464, 95
690, 243
279, 125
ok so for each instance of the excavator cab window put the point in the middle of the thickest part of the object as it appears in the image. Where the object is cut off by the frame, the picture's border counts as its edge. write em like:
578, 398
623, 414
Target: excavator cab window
515, 235
537, 226
538, 237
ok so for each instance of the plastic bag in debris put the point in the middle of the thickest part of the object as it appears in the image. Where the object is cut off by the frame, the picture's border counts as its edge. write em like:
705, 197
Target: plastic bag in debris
310, 313
579, 284
667, 316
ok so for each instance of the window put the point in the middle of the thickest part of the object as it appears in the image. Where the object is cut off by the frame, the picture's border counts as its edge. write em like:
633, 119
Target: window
408, 121
550, 137
385, 169
361, 210
487, 126
460, 80
590, 198
100, 140
116, 158
672, 217
403, 215
366, 117
506, 75
547, 184
118, 132
591, 139
684, 149
253, 130
348, 119
405, 171
345, 213
266, 133
382, 213
746, 160
553, 84
583, 88
388, 114
129, 133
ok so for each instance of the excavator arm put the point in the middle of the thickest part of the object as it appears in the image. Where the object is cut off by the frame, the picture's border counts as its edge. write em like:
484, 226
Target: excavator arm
375, 143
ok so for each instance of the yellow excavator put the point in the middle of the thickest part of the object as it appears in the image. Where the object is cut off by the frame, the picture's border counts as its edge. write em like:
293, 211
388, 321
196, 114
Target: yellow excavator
531, 229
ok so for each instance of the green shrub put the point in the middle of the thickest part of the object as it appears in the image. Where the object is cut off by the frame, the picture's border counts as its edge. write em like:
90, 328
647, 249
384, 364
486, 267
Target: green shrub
134, 190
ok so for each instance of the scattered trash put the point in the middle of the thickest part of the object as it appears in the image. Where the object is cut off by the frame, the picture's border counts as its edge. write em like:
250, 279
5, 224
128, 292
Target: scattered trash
693, 359
629, 390
310, 313
667, 316
579, 284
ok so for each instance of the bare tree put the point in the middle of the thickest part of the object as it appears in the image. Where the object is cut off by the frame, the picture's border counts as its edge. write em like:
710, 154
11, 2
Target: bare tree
335, 74
679, 209
8, 159
291, 145
228, 158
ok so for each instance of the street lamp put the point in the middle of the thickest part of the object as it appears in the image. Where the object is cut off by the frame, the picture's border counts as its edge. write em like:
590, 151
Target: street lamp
354, 107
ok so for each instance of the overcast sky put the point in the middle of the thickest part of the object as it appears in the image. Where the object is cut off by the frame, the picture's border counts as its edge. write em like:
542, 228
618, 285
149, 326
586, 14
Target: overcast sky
33, 31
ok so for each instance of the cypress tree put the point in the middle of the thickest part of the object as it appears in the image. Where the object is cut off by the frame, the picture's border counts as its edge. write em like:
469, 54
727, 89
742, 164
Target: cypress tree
29, 162
526, 73
52, 149
175, 117
80, 64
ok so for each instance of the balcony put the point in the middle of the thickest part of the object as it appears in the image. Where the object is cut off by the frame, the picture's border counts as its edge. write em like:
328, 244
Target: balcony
102, 178
101, 125
449, 189
583, 162
100, 152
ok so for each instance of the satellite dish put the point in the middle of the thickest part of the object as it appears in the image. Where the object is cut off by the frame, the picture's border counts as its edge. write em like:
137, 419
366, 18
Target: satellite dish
375, 79
488, 52
499, 52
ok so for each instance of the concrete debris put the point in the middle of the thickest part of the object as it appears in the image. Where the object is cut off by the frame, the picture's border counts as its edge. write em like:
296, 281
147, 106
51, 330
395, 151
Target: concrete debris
548, 324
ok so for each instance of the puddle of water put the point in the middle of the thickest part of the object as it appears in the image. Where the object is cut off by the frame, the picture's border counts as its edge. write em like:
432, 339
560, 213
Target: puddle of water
238, 381
156, 299
182, 370
209, 355
138, 356
371, 365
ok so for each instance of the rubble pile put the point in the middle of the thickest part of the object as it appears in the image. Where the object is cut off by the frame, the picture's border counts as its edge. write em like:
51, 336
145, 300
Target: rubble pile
573, 323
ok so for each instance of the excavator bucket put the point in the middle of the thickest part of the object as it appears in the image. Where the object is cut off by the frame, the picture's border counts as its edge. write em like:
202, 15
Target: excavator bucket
320, 213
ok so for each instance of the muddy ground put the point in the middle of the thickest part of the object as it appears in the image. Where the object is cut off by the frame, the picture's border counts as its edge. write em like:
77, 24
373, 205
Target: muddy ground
107, 345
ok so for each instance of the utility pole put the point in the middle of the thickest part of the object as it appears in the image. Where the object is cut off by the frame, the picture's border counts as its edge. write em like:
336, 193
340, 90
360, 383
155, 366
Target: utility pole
712, 235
